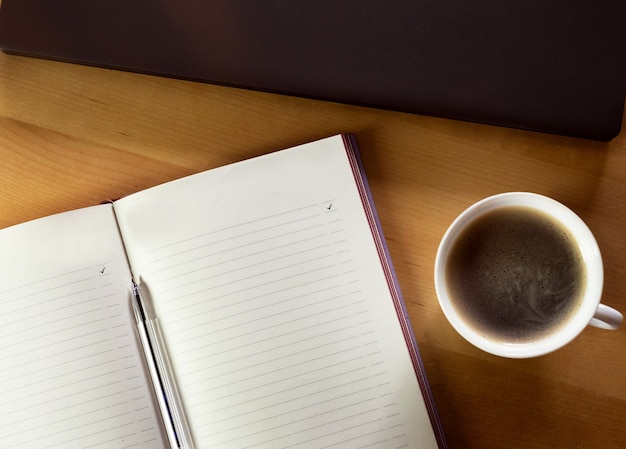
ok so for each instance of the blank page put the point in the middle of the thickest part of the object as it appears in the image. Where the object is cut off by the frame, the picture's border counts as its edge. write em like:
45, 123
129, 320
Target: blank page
71, 374
275, 309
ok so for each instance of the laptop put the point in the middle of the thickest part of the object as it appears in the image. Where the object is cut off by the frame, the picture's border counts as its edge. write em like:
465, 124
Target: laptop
556, 67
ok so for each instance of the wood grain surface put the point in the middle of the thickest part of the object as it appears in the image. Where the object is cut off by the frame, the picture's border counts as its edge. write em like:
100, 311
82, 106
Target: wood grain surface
72, 136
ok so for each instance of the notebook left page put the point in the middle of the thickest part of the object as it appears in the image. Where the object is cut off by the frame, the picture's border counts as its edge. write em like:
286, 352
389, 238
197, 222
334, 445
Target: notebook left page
71, 374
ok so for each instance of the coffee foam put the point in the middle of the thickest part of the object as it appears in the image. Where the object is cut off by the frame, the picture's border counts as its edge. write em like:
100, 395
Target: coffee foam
515, 274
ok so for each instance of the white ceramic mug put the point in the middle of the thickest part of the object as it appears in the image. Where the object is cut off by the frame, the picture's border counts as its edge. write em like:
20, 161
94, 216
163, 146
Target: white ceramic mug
589, 311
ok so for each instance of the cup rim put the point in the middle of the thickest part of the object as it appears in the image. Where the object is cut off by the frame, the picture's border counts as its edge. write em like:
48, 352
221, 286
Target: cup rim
589, 250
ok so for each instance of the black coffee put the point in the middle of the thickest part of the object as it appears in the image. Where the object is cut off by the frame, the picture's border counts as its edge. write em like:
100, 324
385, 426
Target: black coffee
516, 273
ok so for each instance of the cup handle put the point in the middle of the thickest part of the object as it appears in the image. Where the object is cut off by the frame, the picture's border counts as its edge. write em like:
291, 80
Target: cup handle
606, 318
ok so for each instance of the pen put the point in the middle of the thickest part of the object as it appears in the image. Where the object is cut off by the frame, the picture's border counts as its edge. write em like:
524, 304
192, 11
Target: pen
174, 420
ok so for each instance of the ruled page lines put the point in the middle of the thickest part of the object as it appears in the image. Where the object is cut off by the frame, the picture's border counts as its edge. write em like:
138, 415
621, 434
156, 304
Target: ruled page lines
70, 374
270, 335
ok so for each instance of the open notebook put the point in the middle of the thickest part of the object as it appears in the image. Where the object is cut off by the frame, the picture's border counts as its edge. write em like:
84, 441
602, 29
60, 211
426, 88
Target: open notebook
275, 296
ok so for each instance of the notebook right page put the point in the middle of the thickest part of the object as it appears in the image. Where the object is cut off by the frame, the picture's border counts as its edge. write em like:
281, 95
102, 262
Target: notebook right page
275, 306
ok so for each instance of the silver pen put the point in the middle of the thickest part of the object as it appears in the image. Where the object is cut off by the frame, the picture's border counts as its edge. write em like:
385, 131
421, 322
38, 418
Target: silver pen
168, 399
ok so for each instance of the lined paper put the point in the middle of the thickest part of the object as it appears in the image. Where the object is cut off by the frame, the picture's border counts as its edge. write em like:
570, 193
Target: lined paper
273, 340
71, 375
275, 310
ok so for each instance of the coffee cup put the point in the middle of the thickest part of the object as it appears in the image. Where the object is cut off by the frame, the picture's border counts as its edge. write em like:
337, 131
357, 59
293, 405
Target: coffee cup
520, 275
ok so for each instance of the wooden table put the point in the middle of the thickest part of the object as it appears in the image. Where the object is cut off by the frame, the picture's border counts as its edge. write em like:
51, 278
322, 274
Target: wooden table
71, 136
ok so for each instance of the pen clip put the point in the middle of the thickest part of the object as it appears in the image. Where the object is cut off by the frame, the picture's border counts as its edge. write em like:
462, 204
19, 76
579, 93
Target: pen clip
161, 374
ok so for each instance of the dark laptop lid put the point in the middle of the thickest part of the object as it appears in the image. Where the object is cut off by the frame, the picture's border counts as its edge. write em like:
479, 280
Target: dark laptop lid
551, 66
